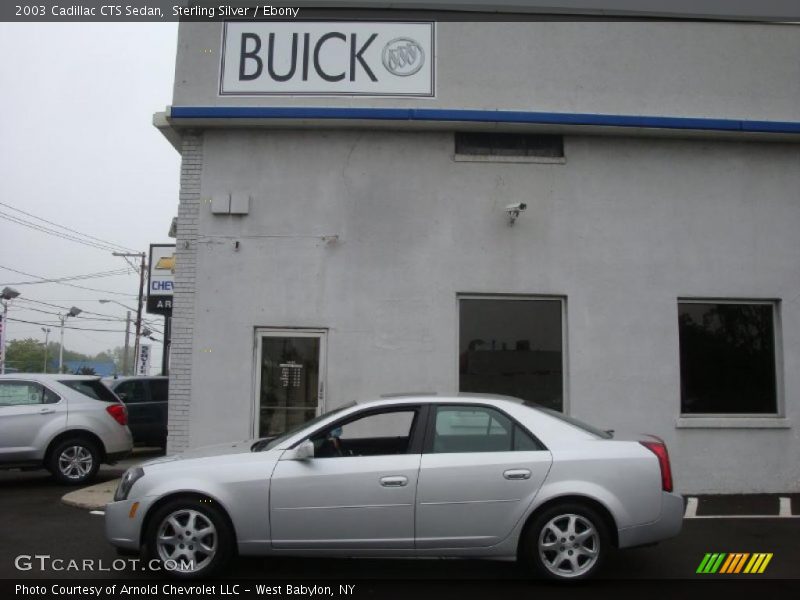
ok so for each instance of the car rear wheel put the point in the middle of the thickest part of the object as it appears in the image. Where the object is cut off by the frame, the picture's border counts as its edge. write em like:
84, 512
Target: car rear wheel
190, 537
74, 461
569, 541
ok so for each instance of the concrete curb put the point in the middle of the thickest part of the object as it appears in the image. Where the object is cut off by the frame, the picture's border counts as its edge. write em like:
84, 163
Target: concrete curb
94, 497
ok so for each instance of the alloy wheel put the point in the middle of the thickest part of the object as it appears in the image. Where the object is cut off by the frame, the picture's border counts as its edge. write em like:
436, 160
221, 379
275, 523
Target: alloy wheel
189, 538
569, 545
75, 462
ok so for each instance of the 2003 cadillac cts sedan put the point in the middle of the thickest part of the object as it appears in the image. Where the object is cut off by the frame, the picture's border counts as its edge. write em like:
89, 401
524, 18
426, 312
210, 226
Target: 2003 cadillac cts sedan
414, 476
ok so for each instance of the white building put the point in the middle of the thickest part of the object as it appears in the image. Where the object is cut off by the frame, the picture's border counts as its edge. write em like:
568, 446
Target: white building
343, 228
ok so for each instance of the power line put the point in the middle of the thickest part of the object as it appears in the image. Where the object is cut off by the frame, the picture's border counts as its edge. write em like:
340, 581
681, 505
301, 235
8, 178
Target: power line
73, 277
86, 235
151, 324
82, 287
55, 233
66, 326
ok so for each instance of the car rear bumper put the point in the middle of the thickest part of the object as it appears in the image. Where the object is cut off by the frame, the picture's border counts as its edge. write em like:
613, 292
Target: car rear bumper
117, 441
666, 526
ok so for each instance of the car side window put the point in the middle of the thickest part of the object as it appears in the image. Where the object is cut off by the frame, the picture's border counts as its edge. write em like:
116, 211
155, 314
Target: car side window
159, 389
50, 397
374, 434
131, 391
20, 393
478, 429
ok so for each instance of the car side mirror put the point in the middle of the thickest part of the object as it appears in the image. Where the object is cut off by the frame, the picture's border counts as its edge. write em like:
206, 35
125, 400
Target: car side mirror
302, 452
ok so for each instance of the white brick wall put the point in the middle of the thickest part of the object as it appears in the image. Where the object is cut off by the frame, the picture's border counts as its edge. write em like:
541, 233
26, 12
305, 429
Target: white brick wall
181, 352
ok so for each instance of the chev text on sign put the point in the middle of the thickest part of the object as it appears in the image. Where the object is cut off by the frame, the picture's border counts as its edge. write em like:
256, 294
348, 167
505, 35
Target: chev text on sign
328, 58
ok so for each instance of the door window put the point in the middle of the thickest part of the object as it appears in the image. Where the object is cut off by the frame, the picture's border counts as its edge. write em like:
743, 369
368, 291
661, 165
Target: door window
289, 381
17, 393
132, 392
159, 390
478, 429
375, 434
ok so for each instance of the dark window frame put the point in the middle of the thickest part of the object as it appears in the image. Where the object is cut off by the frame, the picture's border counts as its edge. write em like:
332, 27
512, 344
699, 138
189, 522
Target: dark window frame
776, 356
44, 390
561, 299
501, 145
430, 429
416, 435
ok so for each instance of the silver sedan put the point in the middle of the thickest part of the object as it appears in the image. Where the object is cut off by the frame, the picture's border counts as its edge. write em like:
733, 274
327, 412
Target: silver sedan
466, 476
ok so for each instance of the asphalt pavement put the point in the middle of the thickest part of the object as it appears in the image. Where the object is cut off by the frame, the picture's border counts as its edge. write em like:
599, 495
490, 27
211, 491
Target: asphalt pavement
34, 521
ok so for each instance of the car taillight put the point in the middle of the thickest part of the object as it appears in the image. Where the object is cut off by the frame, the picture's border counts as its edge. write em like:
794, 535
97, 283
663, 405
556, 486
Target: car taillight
119, 412
659, 448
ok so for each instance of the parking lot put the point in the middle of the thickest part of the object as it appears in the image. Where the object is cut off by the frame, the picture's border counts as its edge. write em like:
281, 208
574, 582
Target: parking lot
34, 521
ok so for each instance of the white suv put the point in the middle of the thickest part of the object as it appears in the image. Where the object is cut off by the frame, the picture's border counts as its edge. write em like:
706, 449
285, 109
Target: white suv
68, 424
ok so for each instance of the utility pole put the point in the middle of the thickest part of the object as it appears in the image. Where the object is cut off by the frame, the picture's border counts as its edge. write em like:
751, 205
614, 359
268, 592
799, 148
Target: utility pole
140, 255
8, 294
73, 312
127, 343
46, 336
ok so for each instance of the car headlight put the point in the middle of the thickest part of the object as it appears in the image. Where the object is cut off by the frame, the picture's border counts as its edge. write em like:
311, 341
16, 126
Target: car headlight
130, 477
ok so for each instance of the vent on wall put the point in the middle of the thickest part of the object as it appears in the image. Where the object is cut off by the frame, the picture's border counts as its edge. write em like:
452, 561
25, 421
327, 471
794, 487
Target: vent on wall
509, 146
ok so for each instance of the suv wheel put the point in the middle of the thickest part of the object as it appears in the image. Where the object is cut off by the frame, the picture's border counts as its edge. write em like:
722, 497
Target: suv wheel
191, 538
569, 541
74, 461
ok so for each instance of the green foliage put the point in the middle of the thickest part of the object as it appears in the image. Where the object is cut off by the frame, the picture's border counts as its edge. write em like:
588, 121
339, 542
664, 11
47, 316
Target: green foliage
27, 356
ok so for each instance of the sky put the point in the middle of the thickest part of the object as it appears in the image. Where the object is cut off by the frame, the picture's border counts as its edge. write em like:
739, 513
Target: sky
77, 148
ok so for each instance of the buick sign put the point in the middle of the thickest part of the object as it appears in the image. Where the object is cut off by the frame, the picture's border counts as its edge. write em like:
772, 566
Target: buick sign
403, 57
328, 58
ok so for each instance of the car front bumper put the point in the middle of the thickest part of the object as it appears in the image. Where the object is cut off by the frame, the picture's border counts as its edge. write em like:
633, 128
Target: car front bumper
666, 526
124, 524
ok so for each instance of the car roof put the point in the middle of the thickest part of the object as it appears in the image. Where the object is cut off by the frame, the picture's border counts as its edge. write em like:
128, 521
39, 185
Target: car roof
49, 377
461, 398
129, 377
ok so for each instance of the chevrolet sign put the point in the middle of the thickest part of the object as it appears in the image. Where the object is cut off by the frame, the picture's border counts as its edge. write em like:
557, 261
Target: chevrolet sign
328, 58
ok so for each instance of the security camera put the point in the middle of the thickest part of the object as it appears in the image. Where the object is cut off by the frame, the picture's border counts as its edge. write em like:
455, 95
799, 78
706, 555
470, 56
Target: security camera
513, 211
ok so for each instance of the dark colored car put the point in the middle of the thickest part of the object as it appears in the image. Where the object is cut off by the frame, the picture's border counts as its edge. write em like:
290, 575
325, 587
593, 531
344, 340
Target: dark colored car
146, 399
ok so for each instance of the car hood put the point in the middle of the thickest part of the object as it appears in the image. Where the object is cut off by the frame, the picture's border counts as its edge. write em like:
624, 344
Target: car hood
207, 451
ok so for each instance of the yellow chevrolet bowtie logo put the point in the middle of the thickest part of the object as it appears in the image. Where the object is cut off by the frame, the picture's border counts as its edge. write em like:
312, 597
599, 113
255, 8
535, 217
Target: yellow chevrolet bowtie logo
166, 263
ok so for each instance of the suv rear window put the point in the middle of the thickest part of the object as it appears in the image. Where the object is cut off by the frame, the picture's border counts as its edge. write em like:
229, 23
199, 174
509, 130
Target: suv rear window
92, 388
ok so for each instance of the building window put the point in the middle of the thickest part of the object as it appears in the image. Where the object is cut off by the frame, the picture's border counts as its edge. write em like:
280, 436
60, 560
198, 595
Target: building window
727, 357
513, 346
514, 147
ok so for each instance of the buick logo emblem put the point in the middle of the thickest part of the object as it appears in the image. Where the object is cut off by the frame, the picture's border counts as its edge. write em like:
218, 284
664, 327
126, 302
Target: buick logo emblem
403, 57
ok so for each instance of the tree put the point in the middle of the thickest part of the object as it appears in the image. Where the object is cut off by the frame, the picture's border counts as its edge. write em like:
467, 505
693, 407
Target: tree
25, 356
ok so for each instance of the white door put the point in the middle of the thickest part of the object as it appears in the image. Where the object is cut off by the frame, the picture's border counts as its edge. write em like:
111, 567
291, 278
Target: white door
290, 379
478, 474
28, 411
357, 491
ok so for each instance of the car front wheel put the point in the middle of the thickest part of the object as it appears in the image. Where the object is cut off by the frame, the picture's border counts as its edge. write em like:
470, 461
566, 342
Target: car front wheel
190, 537
570, 541
74, 461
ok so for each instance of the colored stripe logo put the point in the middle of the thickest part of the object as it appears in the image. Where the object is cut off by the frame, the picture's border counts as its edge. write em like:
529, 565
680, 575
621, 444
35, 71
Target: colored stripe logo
734, 563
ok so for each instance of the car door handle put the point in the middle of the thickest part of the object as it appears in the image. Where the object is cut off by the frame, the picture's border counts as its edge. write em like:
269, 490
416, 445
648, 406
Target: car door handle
517, 474
47, 411
397, 481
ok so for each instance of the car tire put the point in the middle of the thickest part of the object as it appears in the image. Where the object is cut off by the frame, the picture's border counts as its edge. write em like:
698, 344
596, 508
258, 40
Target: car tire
568, 542
196, 531
74, 461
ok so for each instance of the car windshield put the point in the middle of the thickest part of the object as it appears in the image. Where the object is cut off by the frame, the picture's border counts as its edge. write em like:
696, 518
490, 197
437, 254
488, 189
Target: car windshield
92, 388
606, 435
270, 443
